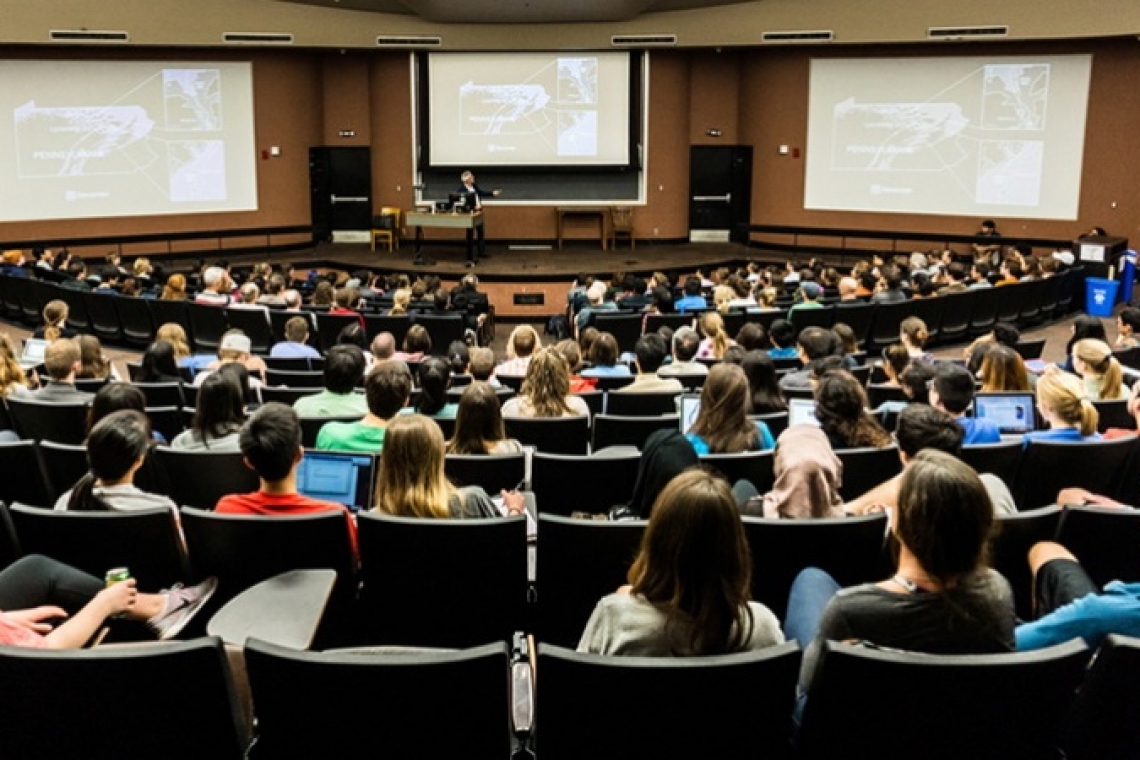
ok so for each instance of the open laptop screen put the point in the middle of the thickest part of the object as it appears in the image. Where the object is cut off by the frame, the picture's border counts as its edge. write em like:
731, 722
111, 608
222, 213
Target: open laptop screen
801, 411
33, 352
1013, 413
690, 404
345, 478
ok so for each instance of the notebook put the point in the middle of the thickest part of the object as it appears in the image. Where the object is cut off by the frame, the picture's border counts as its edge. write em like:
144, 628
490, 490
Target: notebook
345, 478
33, 355
801, 411
1013, 413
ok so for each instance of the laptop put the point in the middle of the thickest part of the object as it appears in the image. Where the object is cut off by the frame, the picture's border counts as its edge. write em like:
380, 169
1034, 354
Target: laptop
689, 406
345, 478
1014, 413
801, 411
33, 354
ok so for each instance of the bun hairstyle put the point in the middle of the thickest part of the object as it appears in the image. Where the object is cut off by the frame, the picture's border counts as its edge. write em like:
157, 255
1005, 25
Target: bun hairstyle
1097, 356
915, 331
1064, 395
55, 314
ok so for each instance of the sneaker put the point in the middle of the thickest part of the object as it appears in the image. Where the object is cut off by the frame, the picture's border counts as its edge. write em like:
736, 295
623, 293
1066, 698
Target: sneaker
182, 604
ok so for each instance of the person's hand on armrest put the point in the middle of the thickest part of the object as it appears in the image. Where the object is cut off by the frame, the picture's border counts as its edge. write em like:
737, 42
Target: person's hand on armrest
514, 502
1081, 497
33, 619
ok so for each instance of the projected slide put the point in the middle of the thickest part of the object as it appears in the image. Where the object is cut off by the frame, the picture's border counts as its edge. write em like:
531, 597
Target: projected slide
95, 139
529, 109
962, 136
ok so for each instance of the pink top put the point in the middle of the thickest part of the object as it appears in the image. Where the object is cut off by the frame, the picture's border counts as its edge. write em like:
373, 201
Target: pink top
15, 635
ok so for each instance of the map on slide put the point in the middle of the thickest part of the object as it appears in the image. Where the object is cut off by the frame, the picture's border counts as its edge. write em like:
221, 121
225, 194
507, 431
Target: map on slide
135, 134
979, 132
556, 104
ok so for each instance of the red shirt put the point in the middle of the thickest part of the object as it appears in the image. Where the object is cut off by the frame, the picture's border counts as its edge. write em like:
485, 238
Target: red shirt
342, 310
261, 503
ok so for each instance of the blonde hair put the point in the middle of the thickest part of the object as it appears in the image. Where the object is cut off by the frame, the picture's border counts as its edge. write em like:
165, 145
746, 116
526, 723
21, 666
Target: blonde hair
142, 266
523, 341
55, 314
1097, 356
1064, 395
412, 481
11, 373
174, 289
547, 384
400, 300
722, 294
767, 297
712, 326
173, 334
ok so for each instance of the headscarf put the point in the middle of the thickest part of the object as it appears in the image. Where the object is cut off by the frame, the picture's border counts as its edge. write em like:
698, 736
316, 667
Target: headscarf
665, 455
808, 476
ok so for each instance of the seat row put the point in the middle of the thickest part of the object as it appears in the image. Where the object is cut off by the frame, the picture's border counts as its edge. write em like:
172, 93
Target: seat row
131, 321
949, 318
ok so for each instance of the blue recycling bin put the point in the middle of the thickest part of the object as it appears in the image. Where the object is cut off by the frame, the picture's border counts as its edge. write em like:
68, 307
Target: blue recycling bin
1127, 275
1100, 296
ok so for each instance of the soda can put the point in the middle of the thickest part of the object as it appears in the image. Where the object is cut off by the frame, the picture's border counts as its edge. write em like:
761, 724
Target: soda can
116, 575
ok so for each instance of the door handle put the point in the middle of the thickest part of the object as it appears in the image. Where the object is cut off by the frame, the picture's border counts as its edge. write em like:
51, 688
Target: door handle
727, 198
347, 199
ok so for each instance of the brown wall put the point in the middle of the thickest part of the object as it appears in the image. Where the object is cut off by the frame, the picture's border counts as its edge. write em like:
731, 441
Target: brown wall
755, 96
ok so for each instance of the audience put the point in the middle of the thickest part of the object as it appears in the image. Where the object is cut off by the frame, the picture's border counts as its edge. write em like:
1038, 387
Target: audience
218, 417
417, 344
1002, 369
952, 391
686, 342
387, 389
913, 334
570, 352
715, 341
235, 348
808, 477
479, 424
1102, 374
13, 379
159, 364
521, 345
604, 358
55, 326
1062, 403
435, 379
61, 360
93, 365
841, 408
689, 587
1127, 328
296, 343
651, 351
763, 386
546, 390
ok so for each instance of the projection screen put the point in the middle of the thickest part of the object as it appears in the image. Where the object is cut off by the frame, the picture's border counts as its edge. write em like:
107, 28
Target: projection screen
528, 109
971, 136
82, 139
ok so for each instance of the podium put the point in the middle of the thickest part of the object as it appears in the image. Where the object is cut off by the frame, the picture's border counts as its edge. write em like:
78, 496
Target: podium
422, 220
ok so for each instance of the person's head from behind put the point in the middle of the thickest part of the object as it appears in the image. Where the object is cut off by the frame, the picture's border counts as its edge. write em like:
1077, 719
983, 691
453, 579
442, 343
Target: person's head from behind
951, 388
1062, 401
61, 359
547, 384
412, 482
1006, 334
174, 334
913, 333
481, 363
435, 379
1128, 322
118, 444
271, 442
1003, 369
220, 408
1093, 358
417, 340
711, 325
522, 341
55, 317
686, 343
915, 382
571, 353
458, 357
922, 426
111, 398
848, 342
604, 352
763, 382
895, 360
158, 361
478, 421
692, 286
1086, 326
753, 337
841, 408
297, 330
723, 419
661, 298
383, 346
782, 333
238, 374
815, 343
387, 388
651, 351
944, 516
92, 363
344, 368
694, 563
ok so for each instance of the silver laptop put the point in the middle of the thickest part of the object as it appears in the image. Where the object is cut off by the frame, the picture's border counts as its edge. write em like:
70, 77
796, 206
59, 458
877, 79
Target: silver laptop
33, 354
689, 406
801, 411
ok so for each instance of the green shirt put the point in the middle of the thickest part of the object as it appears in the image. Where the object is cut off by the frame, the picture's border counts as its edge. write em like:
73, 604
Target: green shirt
351, 436
329, 404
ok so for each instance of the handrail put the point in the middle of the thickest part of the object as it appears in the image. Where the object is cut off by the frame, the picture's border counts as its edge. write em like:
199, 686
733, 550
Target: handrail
894, 236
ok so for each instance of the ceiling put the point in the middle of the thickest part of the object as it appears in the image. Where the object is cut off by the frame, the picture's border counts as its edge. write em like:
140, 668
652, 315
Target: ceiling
519, 11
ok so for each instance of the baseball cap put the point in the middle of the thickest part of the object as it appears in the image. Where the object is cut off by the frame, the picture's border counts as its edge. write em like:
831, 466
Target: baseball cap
236, 342
811, 289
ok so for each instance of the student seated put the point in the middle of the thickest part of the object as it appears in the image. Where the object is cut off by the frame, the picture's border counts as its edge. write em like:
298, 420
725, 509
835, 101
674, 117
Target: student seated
1062, 403
386, 391
61, 360
344, 371
296, 340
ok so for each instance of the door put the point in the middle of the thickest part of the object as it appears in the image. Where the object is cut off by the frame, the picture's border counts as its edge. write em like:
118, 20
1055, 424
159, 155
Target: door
720, 193
340, 187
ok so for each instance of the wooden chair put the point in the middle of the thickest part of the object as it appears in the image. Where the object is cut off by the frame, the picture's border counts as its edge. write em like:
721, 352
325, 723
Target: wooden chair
621, 225
386, 226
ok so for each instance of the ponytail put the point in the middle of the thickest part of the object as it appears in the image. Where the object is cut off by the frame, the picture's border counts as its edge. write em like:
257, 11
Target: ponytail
720, 341
83, 498
1112, 380
1090, 418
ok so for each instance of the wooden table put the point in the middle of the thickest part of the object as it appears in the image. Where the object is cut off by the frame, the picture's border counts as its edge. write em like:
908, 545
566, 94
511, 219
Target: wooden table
601, 212
285, 610
445, 221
